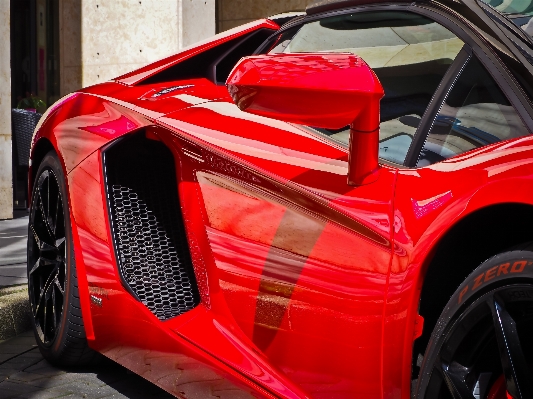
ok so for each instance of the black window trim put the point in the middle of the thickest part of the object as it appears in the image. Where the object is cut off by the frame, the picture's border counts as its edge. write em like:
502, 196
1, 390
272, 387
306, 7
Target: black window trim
502, 19
315, 17
434, 106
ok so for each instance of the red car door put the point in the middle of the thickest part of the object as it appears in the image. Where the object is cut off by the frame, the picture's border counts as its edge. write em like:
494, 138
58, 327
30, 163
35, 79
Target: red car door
302, 258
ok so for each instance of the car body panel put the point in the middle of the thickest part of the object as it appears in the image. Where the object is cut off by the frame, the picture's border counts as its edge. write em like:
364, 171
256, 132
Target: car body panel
309, 287
429, 202
275, 253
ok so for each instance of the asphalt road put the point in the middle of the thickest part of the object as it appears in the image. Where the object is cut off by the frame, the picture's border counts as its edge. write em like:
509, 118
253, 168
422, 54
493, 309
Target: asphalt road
13, 237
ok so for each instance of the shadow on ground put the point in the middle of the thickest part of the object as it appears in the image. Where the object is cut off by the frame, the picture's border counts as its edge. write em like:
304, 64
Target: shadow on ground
25, 374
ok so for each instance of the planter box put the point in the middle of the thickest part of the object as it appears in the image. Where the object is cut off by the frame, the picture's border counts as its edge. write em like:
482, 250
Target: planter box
23, 124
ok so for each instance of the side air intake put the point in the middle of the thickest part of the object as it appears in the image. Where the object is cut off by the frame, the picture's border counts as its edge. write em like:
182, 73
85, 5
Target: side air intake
147, 227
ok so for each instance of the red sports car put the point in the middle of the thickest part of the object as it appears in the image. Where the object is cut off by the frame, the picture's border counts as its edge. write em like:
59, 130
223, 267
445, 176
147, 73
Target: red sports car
340, 207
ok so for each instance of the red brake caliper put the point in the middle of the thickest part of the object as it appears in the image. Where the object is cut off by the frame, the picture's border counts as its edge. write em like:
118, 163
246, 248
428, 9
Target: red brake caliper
499, 390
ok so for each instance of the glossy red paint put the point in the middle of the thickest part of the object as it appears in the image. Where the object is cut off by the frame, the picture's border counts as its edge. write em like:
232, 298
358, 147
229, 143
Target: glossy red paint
363, 160
260, 295
309, 286
455, 188
323, 90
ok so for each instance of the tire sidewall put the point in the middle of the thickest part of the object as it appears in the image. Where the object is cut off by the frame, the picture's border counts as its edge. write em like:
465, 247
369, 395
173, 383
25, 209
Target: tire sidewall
515, 267
54, 350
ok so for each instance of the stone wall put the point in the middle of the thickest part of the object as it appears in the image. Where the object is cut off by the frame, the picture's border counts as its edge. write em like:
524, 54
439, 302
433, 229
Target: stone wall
232, 13
102, 39
197, 21
70, 60
6, 185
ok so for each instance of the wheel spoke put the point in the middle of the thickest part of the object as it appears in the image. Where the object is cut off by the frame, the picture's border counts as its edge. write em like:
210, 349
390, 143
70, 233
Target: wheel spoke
58, 285
515, 368
45, 207
49, 299
44, 289
54, 307
455, 377
35, 267
37, 240
44, 321
36, 310
60, 241
45, 216
39, 301
48, 252
58, 200
42, 178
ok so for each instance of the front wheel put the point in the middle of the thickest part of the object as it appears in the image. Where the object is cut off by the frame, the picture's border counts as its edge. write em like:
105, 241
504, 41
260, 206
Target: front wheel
52, 279
482, 345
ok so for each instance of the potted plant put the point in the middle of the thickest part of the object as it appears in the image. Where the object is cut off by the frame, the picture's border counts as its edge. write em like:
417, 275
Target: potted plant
32, 103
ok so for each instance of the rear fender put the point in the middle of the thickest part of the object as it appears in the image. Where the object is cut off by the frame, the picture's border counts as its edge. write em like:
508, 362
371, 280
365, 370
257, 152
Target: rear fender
499, 174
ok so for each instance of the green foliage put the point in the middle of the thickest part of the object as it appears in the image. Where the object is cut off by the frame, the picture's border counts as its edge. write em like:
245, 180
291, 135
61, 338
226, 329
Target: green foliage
32, 102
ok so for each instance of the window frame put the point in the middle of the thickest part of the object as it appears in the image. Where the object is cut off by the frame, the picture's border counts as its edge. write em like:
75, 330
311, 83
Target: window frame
434, 106
474, 46
494, 66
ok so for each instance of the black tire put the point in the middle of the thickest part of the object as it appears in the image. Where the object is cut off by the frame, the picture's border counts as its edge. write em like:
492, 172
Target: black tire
52, 281
484, 336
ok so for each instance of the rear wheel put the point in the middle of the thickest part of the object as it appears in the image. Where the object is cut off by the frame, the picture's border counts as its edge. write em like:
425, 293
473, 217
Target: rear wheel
482, 345
52, 279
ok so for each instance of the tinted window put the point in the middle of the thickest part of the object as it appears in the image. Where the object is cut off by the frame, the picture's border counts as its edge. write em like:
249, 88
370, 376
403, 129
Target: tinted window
522, 7
409, 54
475, 113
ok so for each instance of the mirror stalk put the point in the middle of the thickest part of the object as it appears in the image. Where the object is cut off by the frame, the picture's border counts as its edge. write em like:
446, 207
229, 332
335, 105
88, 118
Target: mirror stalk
363, 166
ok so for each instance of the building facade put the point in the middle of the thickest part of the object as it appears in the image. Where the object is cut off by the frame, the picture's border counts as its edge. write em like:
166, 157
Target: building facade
49, 48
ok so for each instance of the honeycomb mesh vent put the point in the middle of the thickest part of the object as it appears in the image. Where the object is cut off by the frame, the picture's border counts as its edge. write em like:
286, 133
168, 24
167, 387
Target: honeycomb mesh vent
149, 237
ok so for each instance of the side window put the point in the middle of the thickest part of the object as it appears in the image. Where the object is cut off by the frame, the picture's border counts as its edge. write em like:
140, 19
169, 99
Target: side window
408, 52
475, 113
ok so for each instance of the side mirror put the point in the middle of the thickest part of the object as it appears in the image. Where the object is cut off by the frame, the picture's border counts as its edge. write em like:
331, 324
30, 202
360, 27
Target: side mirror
328, 90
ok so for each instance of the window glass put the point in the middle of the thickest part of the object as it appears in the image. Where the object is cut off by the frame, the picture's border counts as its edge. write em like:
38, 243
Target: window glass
283, 40
522, 7
409, 53
475, 113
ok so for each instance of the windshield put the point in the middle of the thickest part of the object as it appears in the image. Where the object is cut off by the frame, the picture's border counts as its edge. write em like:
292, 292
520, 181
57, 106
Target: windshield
518, 11
522, 7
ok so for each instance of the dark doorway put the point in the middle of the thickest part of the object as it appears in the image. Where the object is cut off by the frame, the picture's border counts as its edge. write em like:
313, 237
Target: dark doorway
34, 78
23, 67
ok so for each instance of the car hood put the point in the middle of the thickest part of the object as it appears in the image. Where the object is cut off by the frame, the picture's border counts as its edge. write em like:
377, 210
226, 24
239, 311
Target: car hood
156, 100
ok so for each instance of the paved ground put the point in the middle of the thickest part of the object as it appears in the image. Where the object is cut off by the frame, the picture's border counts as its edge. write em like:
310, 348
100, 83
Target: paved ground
13, 237
25, 374
23, 371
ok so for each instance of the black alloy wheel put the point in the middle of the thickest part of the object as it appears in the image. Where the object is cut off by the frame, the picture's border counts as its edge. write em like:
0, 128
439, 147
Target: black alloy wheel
52, 280
482, 345
47, 257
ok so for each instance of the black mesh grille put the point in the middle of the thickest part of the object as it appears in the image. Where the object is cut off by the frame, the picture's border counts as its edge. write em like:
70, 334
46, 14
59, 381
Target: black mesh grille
149, 237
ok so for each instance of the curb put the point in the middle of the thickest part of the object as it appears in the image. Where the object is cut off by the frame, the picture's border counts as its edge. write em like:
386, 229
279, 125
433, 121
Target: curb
15, 313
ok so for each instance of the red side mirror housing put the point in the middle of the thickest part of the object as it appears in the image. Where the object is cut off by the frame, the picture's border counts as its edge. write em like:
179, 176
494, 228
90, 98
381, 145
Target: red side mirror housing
328, 90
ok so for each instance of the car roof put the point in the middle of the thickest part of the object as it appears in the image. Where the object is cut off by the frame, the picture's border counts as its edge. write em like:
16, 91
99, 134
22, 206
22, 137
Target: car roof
329, 5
